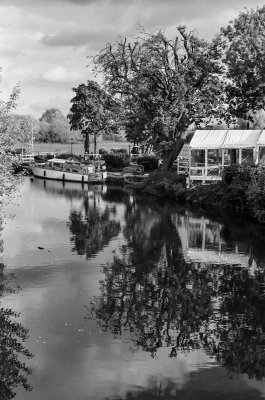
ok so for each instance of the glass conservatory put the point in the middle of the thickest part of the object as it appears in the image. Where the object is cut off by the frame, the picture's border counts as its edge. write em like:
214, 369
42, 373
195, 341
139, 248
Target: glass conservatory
212, 150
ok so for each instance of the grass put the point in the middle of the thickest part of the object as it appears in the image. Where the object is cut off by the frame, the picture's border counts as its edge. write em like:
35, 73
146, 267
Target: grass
78, 148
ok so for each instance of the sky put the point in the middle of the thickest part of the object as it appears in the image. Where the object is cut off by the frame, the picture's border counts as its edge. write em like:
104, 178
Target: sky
45, 44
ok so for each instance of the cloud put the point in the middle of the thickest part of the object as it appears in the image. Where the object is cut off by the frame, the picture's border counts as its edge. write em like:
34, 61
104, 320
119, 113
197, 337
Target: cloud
59, 74
79, 38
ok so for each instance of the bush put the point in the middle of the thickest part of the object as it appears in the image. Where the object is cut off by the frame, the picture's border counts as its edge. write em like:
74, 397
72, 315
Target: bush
255, 194
66, 156
116, 161
43, 157
238, 173
119, 151
150, 163
103, 151
164, 184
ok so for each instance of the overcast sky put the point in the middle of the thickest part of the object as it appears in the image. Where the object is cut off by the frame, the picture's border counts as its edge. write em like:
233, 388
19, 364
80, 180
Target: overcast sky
44, 44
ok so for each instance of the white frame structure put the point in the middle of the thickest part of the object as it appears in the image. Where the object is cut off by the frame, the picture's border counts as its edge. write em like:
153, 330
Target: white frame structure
224, 141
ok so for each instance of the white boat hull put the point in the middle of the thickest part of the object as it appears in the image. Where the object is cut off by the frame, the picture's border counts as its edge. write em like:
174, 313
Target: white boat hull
47, 173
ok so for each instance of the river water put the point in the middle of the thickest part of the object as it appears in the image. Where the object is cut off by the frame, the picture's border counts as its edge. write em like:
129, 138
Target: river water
126, 297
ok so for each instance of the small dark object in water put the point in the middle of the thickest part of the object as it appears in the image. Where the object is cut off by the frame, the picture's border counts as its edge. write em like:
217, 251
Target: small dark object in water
41, 248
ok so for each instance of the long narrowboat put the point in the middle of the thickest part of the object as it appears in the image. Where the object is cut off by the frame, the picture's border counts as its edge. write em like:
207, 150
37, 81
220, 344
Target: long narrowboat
63, 170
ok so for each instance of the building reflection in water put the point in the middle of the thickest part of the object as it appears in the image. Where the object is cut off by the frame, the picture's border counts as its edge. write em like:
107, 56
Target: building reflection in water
179, 283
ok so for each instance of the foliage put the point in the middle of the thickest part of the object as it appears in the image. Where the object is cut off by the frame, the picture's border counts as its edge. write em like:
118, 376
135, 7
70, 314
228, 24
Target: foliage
237, 173
167, 84
68, 156
11, 135
245, 57
150, 163
162, 184
256, 194
92, 111
112, 136
119, 151
102, 150
155, 298
91, 228
54, 127
13, 335
116, 161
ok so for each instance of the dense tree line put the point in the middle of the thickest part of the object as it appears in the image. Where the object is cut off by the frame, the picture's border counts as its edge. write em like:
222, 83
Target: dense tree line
51, 127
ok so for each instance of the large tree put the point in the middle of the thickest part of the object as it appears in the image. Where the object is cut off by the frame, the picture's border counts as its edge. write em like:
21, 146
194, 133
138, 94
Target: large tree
174, 82
245, 59
92, 111
54, 127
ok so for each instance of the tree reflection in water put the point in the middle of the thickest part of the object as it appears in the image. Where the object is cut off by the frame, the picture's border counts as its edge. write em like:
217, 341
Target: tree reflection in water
92, 227
13, 371
153, 294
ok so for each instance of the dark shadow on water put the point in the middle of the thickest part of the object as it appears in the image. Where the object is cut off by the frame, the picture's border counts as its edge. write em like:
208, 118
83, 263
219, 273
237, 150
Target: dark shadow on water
158, 295
13, 354
92, 226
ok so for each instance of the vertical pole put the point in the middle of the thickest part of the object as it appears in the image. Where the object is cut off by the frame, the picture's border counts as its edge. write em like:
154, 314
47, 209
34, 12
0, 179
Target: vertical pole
95, 143
240, 156
189, 168
206, 162
86, 142
223, 158
203, 233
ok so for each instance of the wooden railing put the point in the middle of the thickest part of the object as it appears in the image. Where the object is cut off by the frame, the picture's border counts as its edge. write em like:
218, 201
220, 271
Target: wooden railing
182, 165
26, 158
211, 170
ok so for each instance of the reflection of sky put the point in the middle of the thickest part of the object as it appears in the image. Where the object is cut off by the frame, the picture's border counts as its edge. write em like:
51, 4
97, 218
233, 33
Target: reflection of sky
74, 359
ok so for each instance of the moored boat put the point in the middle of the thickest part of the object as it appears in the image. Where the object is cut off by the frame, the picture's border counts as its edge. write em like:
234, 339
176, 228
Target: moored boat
63, 170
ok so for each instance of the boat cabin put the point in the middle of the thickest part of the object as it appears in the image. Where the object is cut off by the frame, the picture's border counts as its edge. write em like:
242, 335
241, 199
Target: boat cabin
212, 150
69, 166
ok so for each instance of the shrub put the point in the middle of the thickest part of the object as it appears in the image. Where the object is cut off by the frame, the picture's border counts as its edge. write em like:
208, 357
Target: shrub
43, 157
66, 156
255, 194
150, 163
164, 184
238, 173
119, 151
116, 161
103, 151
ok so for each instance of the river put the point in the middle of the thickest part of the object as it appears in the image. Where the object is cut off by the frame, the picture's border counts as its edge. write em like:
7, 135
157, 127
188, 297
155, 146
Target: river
125, 297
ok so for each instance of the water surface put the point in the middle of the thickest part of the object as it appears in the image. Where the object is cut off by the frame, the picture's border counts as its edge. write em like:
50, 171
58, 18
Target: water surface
129, 298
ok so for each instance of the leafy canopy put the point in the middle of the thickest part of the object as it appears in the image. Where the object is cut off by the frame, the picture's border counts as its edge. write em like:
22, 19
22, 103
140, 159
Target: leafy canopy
93, 109
173, 83
244, 41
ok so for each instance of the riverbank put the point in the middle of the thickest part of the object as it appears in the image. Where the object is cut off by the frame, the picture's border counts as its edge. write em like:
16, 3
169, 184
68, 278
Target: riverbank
242, 189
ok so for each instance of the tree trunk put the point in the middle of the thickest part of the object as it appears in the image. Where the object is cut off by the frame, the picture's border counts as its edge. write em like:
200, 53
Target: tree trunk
170, 155
95, 143
87, 143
